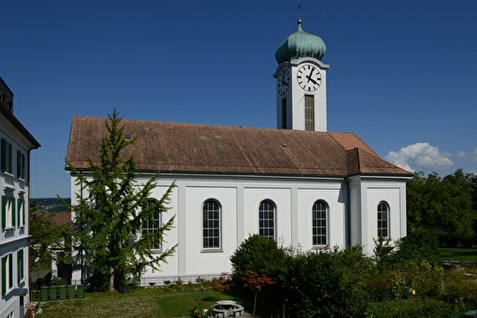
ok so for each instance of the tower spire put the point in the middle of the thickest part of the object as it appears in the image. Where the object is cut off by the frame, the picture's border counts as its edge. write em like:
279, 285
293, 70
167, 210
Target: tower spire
299, 12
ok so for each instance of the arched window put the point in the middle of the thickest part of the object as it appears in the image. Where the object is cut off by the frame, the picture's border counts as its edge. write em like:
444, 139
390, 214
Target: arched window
320, 223
211, 224
266, 219
383, 219
152, 225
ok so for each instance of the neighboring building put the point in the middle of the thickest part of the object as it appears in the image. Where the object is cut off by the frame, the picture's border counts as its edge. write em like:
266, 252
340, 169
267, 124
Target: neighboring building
16, 144
299, 184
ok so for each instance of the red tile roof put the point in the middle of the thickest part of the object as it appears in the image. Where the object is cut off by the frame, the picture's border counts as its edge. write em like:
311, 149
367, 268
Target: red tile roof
191, 148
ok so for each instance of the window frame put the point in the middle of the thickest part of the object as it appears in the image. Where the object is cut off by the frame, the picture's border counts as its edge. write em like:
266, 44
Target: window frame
21, 165
6, 157
146, 227
21, 211
20, 267
8, 211
315, 227
284, 113
7, 274
309, 112
206, 228
261, 228
380, 220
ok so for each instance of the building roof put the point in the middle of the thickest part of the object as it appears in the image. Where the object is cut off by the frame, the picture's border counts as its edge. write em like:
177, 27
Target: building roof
192, 148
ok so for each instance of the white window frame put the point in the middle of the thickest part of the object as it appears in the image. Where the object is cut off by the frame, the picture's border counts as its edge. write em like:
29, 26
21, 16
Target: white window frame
8, 215
7, 274
315, 218
21, 211
264, 229
152, 227
383, 223
211, 225
20, 266
21, 166
6, 157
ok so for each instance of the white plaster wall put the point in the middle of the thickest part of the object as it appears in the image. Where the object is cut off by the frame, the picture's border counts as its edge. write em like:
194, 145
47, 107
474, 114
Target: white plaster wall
253, 195
365, 197
240, 197
199, 260
333, 196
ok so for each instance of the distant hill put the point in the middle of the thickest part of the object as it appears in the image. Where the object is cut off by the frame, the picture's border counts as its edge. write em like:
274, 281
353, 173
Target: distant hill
50, 204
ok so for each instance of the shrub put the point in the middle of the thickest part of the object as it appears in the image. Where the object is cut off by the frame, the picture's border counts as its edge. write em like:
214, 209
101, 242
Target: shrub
261, 256
419, 244
329, 284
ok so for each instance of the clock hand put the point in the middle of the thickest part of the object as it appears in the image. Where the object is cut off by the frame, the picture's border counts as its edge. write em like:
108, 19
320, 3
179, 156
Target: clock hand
309, 76
310, 79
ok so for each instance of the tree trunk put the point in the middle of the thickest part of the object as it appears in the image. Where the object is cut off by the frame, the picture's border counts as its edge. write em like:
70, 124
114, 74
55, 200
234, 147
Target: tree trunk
111, 278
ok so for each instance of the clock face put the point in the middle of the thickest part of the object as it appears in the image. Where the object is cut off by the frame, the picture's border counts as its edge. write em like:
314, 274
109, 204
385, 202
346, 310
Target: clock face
283, 81
309, 77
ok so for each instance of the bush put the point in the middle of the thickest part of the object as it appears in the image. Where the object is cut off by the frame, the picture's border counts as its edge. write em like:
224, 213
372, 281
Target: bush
329, 284
419, 244
261, 256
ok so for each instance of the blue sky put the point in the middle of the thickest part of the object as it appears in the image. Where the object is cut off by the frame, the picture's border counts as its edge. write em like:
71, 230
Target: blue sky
402, 76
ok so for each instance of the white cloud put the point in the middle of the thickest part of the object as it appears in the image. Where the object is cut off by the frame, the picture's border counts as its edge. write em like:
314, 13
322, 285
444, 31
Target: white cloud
421, 156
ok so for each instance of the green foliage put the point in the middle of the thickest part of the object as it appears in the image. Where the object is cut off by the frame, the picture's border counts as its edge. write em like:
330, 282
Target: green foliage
110, 211
446, 205
419, 244
329, 284
261, 256
383, 253
49, 241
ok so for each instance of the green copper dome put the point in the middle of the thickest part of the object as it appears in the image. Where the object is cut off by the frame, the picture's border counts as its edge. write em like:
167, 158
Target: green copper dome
300, 44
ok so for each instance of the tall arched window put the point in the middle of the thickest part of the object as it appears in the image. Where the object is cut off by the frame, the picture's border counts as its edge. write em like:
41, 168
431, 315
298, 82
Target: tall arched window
153, 225
266, 219
211, 224
320, 223
383, 219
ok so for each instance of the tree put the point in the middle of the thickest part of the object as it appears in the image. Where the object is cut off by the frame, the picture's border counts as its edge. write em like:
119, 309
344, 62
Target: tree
255, 283
48, 240
444, 205
112, 209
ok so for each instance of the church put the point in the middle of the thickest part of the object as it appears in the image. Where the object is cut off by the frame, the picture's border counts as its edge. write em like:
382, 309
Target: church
298, 184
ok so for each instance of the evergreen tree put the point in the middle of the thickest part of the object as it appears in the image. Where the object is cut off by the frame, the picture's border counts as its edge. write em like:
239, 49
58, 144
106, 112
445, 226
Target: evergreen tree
112, 208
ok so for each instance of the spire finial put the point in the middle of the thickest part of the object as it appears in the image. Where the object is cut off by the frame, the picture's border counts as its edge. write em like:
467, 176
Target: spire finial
299, 6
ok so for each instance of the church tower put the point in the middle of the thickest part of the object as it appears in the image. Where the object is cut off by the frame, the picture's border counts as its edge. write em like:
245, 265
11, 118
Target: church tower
301, 82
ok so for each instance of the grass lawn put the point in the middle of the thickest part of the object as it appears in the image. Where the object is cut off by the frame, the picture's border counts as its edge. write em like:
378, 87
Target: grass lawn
458, 254
141, 302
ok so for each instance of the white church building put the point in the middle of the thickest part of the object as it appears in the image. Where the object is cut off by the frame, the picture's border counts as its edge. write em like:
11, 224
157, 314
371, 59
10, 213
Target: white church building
299, 184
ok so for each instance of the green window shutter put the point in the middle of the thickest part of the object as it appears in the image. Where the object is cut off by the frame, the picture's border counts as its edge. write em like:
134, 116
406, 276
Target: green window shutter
19, 266
4, 275
13, 212
4, 155
19, 210
18, 164
23, 212
4, 211
10, 272
9, 154
23, 166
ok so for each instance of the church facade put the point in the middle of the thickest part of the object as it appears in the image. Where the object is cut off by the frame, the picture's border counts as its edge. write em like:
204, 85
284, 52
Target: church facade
299, 184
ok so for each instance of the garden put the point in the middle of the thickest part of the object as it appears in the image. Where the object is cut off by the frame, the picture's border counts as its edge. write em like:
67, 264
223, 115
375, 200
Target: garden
405, 280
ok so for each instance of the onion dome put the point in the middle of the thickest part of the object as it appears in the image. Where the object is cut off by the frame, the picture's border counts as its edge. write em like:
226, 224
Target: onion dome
300, 44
